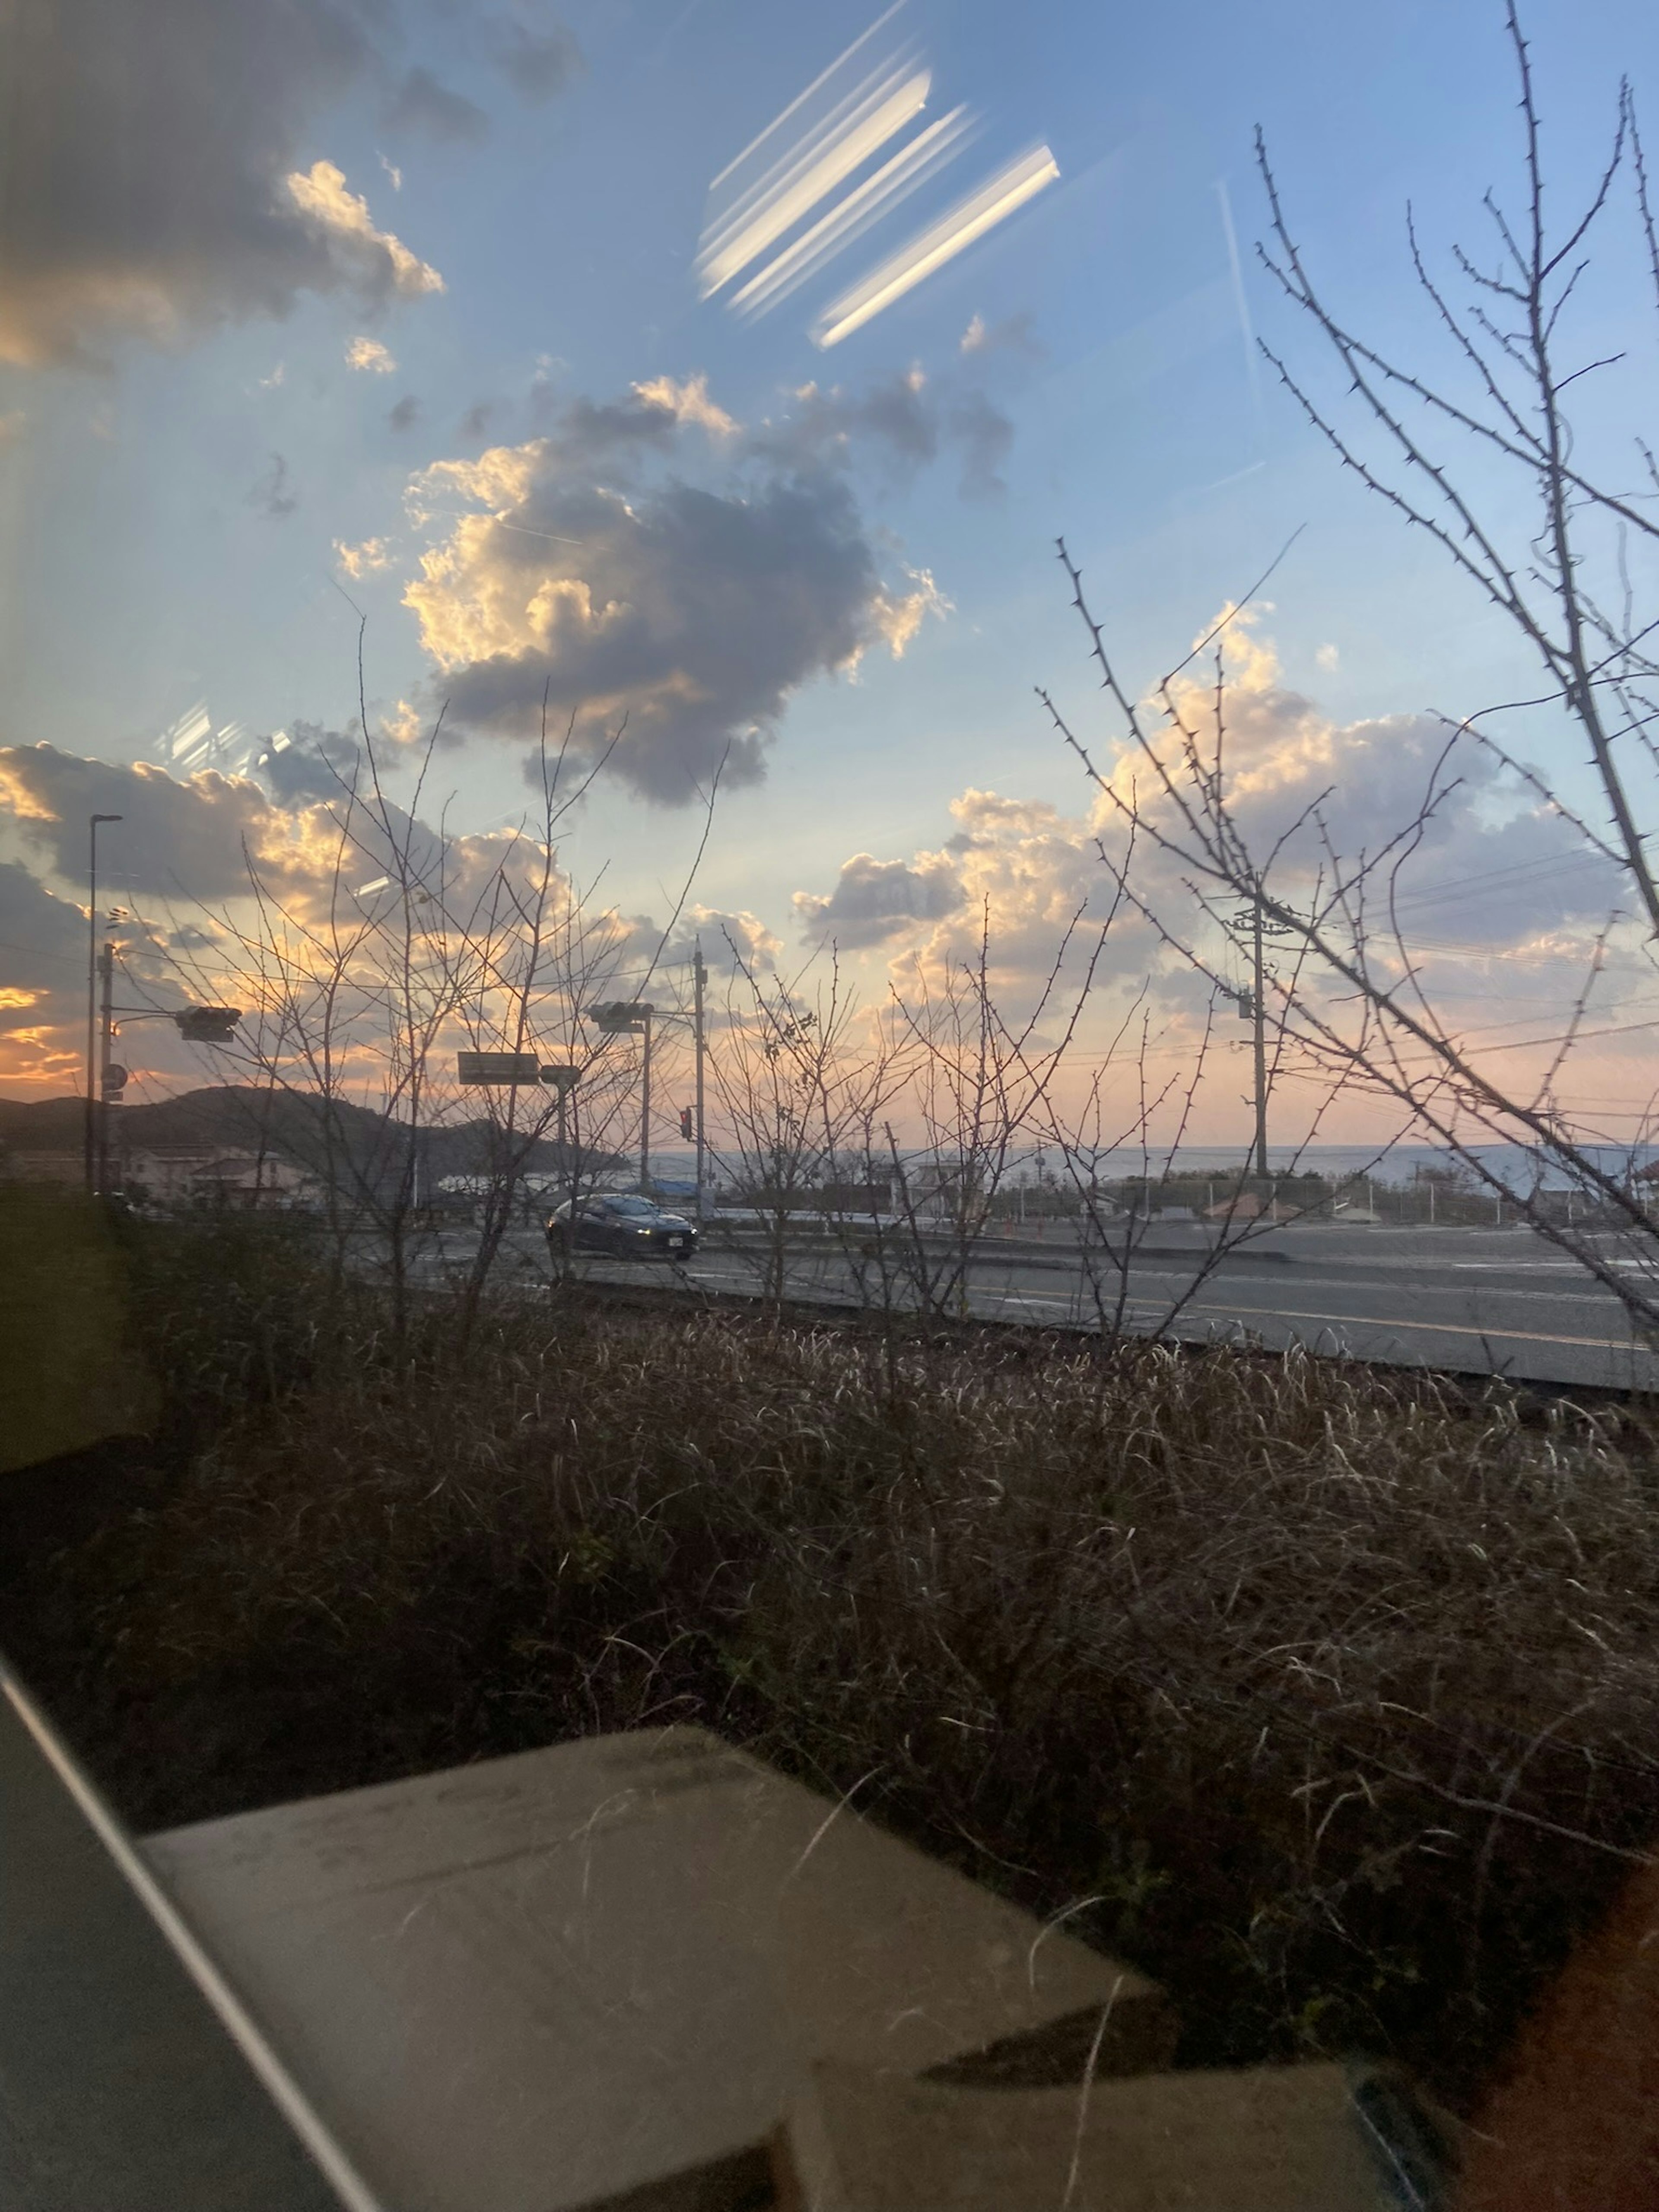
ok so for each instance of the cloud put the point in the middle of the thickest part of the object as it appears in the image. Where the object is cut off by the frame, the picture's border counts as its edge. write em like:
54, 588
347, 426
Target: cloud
717, 929
11, 426
186, 844
1527, 872
876, 901
43, 996
177, 834
307, 764
191, 839
370, 356
155, 184
687, 403
986, 437
896, 617
271, 494
907, 417
475, 423
405, 414
1016, 867
1013, 334
419, 105
383, 262
1501, 904
366, 559
537, 64
602, 572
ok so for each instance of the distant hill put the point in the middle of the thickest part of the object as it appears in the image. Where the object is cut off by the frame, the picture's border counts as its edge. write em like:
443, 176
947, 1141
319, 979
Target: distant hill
292, 1126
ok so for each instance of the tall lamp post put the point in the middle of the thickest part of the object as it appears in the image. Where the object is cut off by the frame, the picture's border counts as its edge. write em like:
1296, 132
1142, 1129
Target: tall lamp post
93, 822
699, 977
196, 1025
636, 1018
632, 1017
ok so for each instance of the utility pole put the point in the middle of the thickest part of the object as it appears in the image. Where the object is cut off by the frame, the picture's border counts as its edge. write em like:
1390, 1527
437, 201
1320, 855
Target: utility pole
1253, 1008
93, 821
1258, 1004
645, 1109
698, 973
106, 1088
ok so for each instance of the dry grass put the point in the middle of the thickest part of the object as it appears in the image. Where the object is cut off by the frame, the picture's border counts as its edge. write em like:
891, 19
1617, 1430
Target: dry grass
1336, 1697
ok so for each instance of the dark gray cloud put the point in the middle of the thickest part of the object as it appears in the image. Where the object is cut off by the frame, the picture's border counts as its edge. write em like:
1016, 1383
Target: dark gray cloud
176, 834
419, 106
875, 900
985, 437
537, 64
603, 578
43, 952
692, 614
475, 423
146, 170
906, 420
307, 764
271, 494
405, 414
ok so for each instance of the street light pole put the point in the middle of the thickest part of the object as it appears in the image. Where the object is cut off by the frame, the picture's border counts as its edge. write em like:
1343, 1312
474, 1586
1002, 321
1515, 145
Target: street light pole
698, 973
1260, 999
645, 1111
89, 1162
106, 966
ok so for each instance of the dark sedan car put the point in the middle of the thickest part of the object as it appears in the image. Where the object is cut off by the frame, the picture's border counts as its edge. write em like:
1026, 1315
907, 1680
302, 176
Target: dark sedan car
627, 1227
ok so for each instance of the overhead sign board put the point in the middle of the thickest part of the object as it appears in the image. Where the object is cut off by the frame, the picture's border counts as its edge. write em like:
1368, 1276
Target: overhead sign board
559, 1078
498, 1067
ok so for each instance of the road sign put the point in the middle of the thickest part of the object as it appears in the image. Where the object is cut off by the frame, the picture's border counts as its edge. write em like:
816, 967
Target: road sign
561, 1077
115, 1078
498, 1067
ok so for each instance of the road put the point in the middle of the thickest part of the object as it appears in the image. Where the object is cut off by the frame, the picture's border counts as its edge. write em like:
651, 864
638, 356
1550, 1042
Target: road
1484, 1301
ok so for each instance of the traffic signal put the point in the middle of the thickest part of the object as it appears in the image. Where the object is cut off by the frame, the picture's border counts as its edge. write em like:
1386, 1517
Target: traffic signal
208, 1024
685, 1123
619, 1016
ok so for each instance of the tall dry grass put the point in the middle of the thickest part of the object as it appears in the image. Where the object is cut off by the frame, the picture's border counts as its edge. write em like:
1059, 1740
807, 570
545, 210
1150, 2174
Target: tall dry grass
1330, 1696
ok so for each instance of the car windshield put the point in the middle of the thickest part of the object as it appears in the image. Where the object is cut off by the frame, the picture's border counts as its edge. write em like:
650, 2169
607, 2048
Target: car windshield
630, 1205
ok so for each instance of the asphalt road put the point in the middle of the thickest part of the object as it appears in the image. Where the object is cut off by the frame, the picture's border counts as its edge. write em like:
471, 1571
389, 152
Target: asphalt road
1484, 1301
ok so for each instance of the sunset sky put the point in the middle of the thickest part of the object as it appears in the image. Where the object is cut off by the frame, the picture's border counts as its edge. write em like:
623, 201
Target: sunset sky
437, 311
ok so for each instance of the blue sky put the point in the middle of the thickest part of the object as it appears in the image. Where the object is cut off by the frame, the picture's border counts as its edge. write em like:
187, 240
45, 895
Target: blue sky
157, 552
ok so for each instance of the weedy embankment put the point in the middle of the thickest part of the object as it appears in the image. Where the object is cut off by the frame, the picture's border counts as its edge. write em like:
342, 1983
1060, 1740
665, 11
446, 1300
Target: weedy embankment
1331, 1696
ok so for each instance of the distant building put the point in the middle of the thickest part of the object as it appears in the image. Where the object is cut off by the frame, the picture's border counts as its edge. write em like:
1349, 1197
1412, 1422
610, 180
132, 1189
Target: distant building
179, 1175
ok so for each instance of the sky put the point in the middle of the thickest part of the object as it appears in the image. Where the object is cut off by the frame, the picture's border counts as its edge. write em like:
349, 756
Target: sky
318, 314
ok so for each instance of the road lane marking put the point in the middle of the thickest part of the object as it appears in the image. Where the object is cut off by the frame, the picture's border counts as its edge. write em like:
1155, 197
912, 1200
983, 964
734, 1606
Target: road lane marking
1362, 1321
1244, 1315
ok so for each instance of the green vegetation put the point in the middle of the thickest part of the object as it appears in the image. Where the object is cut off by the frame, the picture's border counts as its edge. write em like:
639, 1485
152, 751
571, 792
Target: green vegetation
1332, 1697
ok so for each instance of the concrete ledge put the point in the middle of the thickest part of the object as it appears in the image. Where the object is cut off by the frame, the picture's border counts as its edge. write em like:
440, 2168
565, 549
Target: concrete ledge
1272, 2139
599, 1974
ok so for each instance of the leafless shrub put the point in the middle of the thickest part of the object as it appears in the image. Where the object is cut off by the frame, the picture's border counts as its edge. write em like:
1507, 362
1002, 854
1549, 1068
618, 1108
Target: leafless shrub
1352, 1005
1329, 1695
